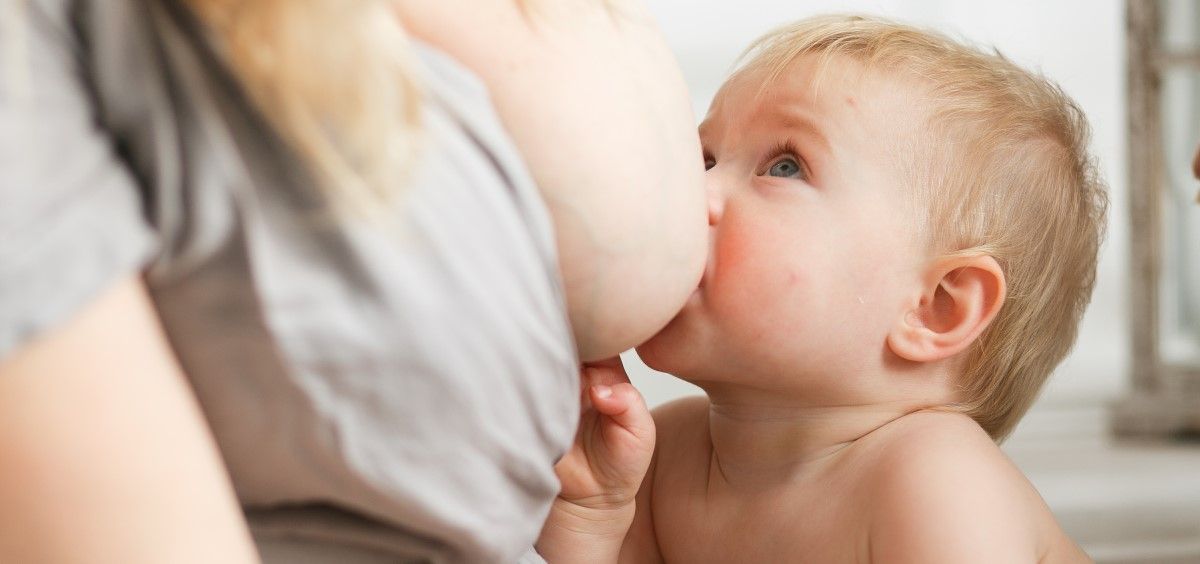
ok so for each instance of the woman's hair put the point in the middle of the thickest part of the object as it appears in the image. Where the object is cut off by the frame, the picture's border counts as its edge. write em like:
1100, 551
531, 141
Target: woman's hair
336, 80
1002, 169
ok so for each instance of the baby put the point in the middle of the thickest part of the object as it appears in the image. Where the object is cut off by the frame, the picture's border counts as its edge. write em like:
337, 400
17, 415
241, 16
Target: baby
904, 234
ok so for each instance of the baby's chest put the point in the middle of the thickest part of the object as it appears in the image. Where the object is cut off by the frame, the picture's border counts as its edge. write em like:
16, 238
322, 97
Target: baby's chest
783, 526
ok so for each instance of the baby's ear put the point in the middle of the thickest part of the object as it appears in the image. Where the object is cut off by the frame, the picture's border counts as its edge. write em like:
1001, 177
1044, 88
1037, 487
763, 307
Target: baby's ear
961, 297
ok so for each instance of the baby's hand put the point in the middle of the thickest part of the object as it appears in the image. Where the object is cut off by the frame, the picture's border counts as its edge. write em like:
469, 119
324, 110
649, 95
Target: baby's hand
602, 472
614, 443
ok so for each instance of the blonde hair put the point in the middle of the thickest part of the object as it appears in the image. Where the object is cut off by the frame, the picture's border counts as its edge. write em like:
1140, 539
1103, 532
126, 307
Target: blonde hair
336, 80
1010, 149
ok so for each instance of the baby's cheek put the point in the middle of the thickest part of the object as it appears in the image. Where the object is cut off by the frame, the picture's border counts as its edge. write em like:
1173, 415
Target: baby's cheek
753, 273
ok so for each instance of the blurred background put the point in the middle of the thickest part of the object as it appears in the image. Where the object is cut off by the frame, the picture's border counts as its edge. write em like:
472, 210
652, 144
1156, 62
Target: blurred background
1107, 444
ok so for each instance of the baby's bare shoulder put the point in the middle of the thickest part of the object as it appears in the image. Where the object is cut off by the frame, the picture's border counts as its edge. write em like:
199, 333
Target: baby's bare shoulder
933, 433
942, 490
918, 447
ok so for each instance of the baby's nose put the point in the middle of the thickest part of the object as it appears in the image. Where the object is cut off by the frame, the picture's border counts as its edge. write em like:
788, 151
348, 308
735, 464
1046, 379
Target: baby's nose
716, 202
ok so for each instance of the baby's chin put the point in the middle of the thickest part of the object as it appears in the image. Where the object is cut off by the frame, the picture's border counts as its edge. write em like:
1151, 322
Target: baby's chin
673, 349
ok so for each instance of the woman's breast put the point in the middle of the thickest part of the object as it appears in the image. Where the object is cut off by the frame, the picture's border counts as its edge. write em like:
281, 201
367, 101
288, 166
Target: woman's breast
419, 372
597, 105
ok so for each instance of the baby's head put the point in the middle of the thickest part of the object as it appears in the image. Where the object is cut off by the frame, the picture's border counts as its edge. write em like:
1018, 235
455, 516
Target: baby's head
893, 214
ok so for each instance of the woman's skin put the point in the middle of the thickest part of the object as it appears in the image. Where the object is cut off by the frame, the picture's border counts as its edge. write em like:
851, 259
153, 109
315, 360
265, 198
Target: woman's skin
1196, 164
104, 454
1196, 170
596, 104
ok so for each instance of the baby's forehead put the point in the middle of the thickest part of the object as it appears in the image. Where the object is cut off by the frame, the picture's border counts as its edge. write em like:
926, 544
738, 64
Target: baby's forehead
846, 95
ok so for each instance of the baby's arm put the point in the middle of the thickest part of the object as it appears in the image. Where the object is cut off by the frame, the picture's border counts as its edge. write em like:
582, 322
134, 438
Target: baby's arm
601, 473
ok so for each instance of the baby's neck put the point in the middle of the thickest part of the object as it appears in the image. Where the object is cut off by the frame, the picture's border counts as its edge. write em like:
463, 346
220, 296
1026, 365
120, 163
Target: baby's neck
760, 443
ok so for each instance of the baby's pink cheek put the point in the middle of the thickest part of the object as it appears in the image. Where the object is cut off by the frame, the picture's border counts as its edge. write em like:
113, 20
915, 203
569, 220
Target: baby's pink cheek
731, 253
756, 267
751, 277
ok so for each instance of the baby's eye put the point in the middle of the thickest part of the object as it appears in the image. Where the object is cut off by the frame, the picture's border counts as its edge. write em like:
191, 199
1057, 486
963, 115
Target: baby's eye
786, 167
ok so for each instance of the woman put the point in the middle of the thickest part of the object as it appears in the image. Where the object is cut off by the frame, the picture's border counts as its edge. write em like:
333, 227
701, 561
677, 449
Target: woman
326, 232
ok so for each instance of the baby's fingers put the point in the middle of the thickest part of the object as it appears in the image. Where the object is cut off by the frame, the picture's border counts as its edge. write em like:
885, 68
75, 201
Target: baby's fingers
608, 372
624, 405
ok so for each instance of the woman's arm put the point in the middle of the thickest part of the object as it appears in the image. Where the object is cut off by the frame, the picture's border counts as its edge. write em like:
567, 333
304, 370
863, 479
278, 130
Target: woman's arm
597, 105
104, 454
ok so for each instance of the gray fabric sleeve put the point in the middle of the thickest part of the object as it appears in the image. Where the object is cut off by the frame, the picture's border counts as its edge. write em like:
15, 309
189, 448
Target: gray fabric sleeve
71, 220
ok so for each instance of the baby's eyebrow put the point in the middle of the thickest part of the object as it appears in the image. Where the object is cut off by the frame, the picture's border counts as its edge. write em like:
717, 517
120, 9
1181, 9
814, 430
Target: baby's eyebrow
708, 132
796, 120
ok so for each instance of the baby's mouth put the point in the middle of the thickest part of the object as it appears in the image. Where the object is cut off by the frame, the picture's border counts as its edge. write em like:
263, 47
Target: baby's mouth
704, 274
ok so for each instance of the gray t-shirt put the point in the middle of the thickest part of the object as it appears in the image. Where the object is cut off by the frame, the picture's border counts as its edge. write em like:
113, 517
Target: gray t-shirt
401, 391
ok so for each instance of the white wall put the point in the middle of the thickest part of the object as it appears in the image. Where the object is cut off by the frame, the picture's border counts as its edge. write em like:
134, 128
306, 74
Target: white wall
1078, 43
